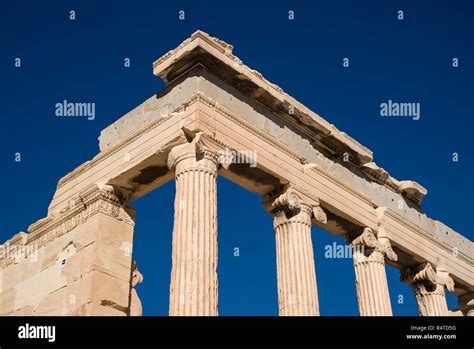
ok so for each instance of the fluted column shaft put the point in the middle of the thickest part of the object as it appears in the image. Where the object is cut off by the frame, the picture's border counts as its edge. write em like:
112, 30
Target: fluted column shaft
297, 290
371, 280
193, 289
431, 299
296, 274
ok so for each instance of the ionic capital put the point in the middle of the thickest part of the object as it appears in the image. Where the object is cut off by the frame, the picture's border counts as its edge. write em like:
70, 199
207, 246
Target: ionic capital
429, 287
289, 202
319, 214
197, 149
443, 278
376, 247
426, 280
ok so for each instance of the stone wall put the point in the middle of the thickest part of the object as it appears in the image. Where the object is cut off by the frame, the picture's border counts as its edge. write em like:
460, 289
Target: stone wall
78, 263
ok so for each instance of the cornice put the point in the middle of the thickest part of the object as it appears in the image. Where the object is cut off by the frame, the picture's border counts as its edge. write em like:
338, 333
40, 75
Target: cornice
94, 199
111, 151
200, 97
389, 213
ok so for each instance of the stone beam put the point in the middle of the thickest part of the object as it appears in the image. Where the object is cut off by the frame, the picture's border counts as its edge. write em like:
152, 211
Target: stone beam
216, 55
136, 164
420, 241
209, 90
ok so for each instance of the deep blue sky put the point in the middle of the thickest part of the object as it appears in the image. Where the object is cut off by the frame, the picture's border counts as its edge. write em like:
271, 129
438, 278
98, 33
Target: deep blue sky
82, 61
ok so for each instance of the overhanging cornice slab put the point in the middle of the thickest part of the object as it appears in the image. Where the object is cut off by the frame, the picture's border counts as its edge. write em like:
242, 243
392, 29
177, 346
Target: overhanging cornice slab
217, 57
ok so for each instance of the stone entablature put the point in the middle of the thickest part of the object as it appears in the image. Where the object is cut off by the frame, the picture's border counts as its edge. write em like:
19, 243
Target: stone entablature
383, 197
214, 105
378, 186
418, 224
201, 48
395, 220
230, 69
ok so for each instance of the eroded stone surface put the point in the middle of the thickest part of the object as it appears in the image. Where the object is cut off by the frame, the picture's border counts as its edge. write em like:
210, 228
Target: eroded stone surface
77, 260
74, 264
370, 180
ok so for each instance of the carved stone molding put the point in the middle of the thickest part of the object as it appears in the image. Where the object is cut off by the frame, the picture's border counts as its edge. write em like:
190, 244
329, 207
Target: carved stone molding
287, 204
426, 274
92, 200
198, 148
373, 247
429, 286
443, 278
422, 273
303, 216
289, 199
320, 215
374, 172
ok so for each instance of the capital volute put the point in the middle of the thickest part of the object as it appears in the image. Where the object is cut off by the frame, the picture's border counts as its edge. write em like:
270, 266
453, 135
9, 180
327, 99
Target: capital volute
424, 274
443, 278
319, 214
292, 201
287, 200
198, 147
369, 239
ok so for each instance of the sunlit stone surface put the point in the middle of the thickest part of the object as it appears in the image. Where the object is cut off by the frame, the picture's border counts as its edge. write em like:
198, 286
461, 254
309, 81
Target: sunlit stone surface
78, 259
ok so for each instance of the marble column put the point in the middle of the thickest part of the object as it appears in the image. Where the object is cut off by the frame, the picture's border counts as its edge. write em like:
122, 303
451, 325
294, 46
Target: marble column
296, 275
193, 289
429, 288
466, 304
371, 280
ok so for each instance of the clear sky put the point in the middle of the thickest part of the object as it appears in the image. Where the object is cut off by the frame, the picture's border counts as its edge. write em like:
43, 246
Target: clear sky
82, 60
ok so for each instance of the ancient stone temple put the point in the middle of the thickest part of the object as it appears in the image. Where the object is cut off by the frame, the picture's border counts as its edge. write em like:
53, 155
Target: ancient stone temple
218, 117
